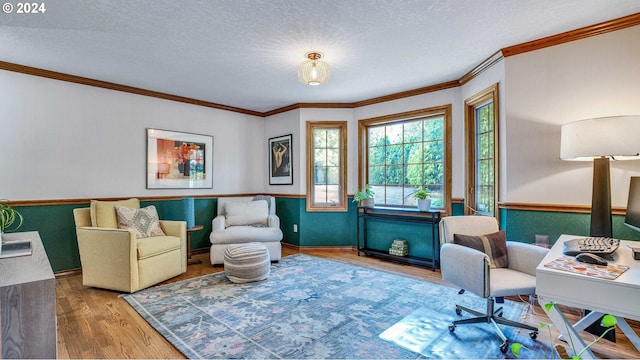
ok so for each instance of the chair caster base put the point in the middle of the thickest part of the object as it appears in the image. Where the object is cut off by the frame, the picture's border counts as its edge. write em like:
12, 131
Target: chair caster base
504, 347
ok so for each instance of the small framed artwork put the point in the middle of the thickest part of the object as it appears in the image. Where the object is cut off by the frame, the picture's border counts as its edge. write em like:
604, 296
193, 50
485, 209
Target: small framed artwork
179, 160
280, 169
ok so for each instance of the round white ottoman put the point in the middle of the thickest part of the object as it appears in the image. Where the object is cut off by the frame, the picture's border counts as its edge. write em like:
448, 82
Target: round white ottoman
247, 262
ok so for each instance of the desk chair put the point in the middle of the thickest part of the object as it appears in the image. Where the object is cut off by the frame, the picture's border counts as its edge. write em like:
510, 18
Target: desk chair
471, 270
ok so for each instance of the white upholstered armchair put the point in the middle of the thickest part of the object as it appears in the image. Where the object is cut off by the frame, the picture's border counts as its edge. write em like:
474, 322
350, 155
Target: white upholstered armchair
506, 269
242, 220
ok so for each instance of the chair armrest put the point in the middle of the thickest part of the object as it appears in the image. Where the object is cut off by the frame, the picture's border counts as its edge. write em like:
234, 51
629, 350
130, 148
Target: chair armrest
174, 228
177, 229
466, 268
273, 221
525, 257
217, 223
108, 257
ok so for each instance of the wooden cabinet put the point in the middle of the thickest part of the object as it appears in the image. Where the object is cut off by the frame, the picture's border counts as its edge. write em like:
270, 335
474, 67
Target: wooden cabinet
27, 303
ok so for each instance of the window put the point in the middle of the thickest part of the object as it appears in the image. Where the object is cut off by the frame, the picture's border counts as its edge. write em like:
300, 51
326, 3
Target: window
326, 166
404, 152
482, 146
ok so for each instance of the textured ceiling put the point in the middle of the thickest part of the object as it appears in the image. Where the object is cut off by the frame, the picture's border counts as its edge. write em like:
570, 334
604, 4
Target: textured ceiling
244, 53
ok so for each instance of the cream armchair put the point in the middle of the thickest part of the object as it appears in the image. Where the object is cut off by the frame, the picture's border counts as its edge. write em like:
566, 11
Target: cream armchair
116, 259
245, 219
473, 270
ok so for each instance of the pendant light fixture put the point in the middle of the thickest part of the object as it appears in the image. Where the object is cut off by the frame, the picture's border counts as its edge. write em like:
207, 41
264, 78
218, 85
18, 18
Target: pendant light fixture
314, 71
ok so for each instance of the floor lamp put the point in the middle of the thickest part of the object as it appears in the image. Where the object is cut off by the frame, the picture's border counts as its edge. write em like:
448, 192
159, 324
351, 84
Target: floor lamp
599, 140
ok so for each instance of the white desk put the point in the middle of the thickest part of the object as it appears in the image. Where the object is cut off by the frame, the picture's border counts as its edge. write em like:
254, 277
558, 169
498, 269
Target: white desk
619, 297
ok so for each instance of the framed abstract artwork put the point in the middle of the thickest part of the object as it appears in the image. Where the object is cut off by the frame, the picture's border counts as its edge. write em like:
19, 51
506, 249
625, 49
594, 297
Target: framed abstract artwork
280, 160
179, 160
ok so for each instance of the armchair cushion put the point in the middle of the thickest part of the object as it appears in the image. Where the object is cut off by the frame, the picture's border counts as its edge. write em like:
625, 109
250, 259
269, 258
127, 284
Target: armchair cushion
152, 246
494, 245
103, 213
246, 213
144, 222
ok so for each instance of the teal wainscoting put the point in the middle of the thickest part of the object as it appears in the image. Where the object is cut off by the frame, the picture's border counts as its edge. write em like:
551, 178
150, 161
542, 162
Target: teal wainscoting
288, 210
56, 227
320, 228
57, 230
523, 225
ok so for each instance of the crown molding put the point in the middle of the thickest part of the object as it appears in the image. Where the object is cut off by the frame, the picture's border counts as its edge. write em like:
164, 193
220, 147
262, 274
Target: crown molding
23, 69
308, 106
573, 35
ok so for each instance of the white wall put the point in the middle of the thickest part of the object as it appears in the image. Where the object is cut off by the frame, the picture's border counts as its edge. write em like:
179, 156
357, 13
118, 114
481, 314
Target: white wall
593, 77
61, 140
284, 124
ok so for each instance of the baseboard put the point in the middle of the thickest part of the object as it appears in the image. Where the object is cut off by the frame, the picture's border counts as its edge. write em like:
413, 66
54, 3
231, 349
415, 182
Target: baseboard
68, 273
299, 248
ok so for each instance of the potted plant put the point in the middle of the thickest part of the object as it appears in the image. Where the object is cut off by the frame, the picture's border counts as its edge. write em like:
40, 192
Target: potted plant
424, 202
364, 197
8, 217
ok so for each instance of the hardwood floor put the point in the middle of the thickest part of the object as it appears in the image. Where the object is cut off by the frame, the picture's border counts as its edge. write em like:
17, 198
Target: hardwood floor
95, 323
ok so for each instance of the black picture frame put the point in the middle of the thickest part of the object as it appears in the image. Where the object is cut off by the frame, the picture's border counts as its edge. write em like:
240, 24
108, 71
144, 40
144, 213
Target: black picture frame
281, 160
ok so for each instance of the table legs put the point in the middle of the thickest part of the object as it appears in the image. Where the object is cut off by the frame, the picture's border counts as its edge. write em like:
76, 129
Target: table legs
571, 332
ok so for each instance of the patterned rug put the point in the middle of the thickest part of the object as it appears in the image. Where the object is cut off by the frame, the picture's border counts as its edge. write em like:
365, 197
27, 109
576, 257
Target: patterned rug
315, 308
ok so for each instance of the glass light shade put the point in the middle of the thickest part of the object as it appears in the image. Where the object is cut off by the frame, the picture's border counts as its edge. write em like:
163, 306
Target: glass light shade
314, 72
616, 137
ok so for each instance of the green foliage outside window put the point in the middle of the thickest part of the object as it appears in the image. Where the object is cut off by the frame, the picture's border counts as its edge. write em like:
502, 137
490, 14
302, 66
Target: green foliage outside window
405, 157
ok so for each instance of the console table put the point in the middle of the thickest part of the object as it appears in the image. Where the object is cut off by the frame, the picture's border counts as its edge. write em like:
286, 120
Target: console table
400, 215
27, 303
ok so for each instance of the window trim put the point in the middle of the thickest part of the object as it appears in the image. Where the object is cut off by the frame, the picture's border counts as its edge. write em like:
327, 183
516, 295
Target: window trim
471, 104
342, 126
363, 160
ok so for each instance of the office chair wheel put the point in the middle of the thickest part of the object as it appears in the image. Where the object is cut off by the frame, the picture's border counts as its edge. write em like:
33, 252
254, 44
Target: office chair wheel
458, 311
452, 328
504, 347
533, 335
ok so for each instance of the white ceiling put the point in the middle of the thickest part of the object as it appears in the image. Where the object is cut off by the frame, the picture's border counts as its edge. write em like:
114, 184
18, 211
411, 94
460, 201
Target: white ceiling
244, 53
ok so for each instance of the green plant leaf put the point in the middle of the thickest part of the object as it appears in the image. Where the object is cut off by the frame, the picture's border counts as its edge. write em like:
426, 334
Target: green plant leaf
544, 325
515, 349
548, 306
608, 321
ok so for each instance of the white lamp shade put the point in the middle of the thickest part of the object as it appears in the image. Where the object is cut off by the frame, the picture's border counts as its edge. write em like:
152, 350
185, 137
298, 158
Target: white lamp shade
314, 72
616, 137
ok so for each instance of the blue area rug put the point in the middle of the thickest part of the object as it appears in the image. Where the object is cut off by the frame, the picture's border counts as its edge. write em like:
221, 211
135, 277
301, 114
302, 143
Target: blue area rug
314, 308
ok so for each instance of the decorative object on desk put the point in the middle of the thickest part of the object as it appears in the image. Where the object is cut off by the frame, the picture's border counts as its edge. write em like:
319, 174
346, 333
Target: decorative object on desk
15, 248
8, 217
280, 160
601, 139
188, 211
399, 247
364, 197
608, 322
178, 160
424, 201
569, 263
